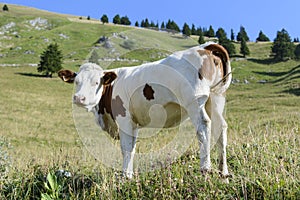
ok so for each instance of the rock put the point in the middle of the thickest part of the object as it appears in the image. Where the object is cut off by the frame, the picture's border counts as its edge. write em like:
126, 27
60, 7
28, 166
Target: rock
29, 52
262, 81
63, 36
39, 23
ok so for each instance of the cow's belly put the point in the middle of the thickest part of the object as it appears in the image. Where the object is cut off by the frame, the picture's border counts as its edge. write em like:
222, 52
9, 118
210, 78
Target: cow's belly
161, 109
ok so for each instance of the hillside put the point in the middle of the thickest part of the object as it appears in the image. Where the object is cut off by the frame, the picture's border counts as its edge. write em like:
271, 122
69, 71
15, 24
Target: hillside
38, 133
25, 33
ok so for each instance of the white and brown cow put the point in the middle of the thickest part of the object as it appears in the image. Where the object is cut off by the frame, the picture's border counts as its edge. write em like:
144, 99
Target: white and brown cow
190, 83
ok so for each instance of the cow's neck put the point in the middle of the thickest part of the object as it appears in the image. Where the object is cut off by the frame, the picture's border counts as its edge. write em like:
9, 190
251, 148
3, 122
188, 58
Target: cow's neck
103, 113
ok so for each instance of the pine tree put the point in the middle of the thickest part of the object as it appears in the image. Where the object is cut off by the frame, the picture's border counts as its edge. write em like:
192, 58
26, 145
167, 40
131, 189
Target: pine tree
262, 37
5, 8
125, 21
146, 24
186, 29
232, 35
136, 24
51, 60
162, 26
242, 34
225, 42
193, 30
297, 52
210, 32
244, 48
201, 38
104, 19
282, 47
88, 18
117, 19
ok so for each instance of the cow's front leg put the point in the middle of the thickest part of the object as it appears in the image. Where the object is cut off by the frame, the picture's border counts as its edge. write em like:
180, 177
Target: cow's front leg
128, 143
202, 124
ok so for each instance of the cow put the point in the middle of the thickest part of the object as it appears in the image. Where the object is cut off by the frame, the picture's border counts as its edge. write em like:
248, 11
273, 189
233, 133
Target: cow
187, 84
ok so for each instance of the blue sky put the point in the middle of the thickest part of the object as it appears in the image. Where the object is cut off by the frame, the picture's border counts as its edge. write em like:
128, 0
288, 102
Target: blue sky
269, 16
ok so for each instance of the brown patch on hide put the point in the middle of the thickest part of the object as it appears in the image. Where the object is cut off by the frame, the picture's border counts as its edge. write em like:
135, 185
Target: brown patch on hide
113, 107
105, 101
67, 75
148, 92
118, 107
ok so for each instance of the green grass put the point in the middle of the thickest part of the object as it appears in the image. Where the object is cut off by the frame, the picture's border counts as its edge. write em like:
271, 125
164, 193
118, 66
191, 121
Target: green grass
38, 134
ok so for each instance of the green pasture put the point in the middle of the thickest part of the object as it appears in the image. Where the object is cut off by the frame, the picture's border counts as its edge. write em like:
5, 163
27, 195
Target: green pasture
38, 135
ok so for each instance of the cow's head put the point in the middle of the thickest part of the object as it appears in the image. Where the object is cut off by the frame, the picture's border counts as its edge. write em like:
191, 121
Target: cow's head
89, 83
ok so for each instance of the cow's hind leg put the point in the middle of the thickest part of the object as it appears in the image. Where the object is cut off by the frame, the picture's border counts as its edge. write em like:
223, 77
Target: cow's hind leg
202, 123
128, 139
219, 131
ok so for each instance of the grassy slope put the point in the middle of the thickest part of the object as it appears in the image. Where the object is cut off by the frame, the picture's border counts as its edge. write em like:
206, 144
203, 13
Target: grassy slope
36, 117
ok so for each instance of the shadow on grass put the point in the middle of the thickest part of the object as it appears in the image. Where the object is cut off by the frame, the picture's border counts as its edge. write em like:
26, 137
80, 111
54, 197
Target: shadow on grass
32, 75
293, 74
267, 61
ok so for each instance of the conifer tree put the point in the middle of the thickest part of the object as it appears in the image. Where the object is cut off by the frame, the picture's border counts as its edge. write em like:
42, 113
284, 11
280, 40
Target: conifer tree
232, 35
297, 52
244, 48
210, 32
242, 34
262, 37
225, 42
186, 29
5, 8
125, 20
162, 26
117, 19
282, 47
104, 19
51, 60
193, 30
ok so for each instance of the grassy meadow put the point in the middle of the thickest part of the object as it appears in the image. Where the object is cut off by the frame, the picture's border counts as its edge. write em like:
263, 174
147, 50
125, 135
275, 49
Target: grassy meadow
38, 136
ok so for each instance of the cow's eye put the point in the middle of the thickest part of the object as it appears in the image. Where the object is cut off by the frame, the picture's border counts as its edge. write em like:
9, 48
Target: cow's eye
97, 83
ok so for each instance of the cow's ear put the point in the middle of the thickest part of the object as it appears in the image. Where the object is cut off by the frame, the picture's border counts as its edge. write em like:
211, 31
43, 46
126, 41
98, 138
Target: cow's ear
108, 77
67, 75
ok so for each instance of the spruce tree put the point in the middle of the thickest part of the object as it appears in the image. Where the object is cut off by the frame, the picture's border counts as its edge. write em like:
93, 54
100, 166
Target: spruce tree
193, 30
225, 42
297, 52
242, 34
201, 38
262, 37
232, 35
125, 21
5, 8
51, 60
210, 32
162, 26
104, 19
244, 48
117, 19
282, 47
186, 29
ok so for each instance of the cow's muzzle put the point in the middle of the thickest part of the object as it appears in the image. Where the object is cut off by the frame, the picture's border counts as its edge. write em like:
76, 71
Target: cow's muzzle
79, 99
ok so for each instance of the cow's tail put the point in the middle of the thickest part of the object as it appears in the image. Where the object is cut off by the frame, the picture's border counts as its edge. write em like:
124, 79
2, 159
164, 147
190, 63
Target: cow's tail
221, 86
